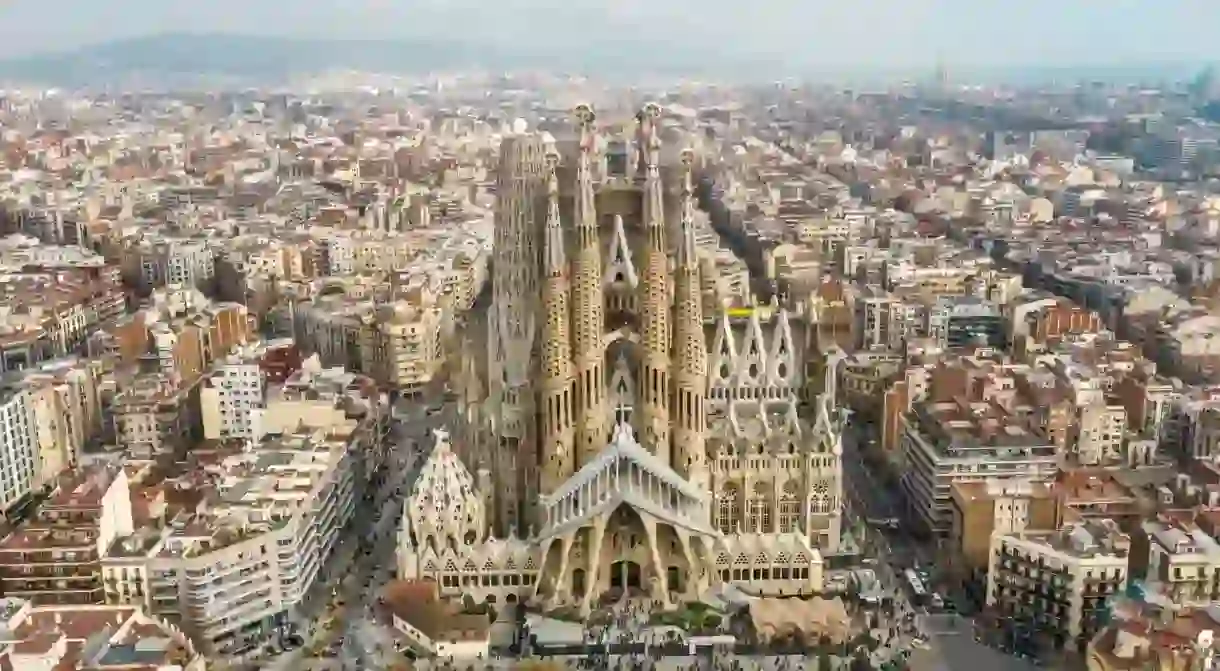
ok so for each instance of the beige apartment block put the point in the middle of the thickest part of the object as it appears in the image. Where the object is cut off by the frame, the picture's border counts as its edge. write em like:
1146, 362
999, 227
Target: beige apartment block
1059, 582
399, 344
979, 510
67, 412
406, 351
1178, 560
1099, 433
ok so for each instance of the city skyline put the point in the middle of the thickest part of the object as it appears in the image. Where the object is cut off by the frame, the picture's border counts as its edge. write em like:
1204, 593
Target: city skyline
528, 345
813, 35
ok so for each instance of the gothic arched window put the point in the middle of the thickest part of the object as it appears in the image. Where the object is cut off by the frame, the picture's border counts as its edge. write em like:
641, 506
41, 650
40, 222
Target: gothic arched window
728, 513
759, 510
821, 497
789, 508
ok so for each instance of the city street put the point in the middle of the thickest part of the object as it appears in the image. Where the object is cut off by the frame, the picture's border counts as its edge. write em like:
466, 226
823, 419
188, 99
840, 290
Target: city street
950, 638
868, 497
365, 558
865, 498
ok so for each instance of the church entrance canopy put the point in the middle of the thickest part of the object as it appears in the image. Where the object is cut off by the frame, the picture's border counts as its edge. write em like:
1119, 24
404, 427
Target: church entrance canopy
624, 473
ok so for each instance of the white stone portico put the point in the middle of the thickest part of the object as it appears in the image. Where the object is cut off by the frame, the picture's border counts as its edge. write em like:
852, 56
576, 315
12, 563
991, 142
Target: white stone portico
605, 525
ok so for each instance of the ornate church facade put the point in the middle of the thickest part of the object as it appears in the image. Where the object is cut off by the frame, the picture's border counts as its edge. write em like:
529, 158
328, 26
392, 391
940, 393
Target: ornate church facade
615, 439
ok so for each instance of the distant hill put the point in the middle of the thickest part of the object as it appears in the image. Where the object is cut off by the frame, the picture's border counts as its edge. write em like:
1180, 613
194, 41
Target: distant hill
186, 58
271, 59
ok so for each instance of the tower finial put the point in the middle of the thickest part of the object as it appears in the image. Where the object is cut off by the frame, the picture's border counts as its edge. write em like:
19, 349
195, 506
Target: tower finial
552, 173
586, 214
686, 249
650, 158
585, 117
556, 256
648, 140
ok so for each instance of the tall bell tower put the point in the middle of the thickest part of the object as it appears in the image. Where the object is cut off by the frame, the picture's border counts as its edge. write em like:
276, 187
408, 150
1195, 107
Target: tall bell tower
653, 378
588, 310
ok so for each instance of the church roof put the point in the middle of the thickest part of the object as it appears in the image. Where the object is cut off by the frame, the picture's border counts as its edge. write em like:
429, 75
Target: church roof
624, 445
624, 448
443, 500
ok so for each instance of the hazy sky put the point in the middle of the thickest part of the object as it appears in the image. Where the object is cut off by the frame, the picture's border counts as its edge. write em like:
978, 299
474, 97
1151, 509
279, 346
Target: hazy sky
866, 33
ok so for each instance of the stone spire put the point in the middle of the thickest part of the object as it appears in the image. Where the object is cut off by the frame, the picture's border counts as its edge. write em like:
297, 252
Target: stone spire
513, 334
587, 303
690, 349
558, 417
654, 298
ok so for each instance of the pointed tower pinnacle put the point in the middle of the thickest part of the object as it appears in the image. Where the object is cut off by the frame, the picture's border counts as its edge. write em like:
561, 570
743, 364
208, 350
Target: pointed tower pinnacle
646, 121
654, 299
558, 417
690, 349
588, 317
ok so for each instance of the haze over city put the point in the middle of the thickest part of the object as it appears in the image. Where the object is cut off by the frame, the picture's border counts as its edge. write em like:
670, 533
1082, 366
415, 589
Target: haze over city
818, 35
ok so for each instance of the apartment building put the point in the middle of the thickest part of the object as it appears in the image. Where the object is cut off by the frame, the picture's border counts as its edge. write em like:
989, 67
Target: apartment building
67, 412
281, 358
194, 336
231, 399
177, 262
1203, 436
95, 637
398, 344
156, 414
797, 267
872, 318
963, 321
1037, 318
267, 388
455, 277
368, 251
1149, 400
228, 571
45, 315
957, 441
909, 387
407, 352
1059, 583
863, 379
831, 316
1095, 494
979, 510
1177, 560
316, 397
19, 460
251, 256
1143, 636
939, 274
54, 557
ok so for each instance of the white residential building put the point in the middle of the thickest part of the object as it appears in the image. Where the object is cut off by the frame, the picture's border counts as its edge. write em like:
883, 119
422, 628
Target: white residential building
187, 263
232, 399
229, 572
18, 446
